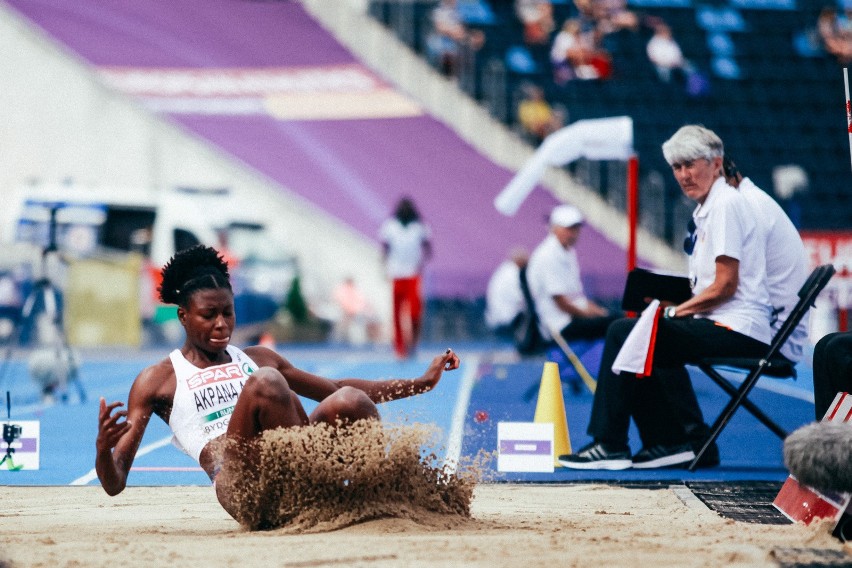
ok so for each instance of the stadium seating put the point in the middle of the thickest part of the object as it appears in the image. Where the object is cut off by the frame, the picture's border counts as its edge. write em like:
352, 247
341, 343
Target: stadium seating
772, 101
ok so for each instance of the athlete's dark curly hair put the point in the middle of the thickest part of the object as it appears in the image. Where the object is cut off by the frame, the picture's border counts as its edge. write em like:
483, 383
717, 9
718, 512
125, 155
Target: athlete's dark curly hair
196, 268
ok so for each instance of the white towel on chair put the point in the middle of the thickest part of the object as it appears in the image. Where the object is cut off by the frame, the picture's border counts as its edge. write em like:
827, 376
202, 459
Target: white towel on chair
637, 353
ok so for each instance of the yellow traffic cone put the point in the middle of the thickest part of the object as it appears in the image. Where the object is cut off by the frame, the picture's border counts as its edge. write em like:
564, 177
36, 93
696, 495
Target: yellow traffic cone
551, 408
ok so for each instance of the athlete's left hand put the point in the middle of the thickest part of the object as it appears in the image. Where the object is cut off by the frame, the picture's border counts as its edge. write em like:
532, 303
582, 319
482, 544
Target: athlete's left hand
446, 361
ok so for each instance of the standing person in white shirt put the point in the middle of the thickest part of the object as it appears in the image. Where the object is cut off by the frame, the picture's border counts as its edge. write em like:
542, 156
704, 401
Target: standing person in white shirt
553, 274
406, 247
727, 316
786, 259
504, 299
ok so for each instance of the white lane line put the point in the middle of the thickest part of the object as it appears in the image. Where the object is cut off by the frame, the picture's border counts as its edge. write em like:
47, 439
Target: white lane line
92, 475
454, 441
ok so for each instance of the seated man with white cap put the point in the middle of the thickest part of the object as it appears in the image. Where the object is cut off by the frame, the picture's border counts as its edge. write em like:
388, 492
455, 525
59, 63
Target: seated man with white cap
553, 274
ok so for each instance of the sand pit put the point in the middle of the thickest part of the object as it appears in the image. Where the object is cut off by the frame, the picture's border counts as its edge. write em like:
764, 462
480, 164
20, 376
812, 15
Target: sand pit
511, 525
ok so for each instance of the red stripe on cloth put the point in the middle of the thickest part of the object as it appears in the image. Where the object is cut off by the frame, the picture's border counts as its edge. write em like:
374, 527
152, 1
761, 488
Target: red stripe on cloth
837, 406
649, 359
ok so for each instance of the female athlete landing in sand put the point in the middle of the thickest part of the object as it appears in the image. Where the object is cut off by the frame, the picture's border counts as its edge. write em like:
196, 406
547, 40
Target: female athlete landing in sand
209, 389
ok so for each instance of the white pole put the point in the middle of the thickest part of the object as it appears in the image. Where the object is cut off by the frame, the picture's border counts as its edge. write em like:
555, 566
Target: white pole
848, 109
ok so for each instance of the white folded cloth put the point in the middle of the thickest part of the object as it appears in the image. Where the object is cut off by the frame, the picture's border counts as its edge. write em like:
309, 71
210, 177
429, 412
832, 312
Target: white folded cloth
637, 353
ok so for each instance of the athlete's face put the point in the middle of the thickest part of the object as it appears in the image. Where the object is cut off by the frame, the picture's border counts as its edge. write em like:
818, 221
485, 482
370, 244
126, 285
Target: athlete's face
209, 319
696, 177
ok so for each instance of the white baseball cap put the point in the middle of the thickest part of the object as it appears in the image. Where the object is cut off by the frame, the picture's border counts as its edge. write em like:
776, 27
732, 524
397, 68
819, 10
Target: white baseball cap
565, 216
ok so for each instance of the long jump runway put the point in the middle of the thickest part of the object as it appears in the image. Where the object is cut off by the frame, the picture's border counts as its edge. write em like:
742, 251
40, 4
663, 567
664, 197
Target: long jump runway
491, 386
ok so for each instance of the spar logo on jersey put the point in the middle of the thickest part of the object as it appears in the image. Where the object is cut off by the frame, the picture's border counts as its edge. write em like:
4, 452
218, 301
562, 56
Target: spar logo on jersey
214, 375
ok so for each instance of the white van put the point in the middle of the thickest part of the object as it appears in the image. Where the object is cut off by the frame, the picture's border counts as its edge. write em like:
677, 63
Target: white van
80, 220
158, 223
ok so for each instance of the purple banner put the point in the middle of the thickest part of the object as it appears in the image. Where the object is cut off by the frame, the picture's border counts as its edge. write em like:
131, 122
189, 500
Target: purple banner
25, 445
526, 447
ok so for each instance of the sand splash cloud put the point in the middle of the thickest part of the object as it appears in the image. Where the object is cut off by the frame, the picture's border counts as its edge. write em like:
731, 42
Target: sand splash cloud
319, 477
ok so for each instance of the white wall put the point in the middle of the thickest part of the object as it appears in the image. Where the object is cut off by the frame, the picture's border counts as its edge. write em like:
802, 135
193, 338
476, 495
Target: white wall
58, 121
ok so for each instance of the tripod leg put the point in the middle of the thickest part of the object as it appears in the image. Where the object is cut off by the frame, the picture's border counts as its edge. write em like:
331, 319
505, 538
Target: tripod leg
15, 338
66, 355
10, 463
74, 375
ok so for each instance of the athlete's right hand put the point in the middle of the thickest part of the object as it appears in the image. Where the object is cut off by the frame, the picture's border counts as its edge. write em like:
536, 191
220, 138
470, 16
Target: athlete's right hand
110, 429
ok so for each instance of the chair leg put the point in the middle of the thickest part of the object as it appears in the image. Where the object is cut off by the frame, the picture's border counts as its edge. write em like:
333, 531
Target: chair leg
732, 391
739, 399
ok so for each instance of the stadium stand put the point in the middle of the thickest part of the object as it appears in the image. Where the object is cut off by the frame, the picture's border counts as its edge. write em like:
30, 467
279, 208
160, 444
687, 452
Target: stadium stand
772, 93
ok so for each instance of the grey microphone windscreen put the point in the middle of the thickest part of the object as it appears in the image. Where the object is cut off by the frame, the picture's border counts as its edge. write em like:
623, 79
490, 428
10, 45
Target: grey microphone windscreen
820, 455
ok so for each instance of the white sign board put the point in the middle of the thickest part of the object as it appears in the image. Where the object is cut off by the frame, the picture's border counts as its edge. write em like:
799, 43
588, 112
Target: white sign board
26, 445
525, 446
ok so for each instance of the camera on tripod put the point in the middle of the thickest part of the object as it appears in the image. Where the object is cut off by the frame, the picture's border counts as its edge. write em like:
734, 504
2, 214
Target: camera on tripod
52, 363
11, 432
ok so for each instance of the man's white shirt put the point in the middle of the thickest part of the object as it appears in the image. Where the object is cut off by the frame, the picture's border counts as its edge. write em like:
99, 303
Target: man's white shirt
554, 271
726, 227
786, 263
504, 299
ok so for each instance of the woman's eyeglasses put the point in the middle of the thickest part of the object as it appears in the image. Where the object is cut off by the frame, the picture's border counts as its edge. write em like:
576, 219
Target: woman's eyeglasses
689, 241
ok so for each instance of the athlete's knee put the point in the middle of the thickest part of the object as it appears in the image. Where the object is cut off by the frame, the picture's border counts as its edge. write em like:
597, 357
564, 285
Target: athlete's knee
350, 397
267, 383
349, 403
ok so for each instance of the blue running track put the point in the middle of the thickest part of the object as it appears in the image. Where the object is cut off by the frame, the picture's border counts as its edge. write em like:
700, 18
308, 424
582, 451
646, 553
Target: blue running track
466, 406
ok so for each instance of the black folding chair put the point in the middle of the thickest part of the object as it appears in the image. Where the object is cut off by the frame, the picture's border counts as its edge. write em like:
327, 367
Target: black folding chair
771, 364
